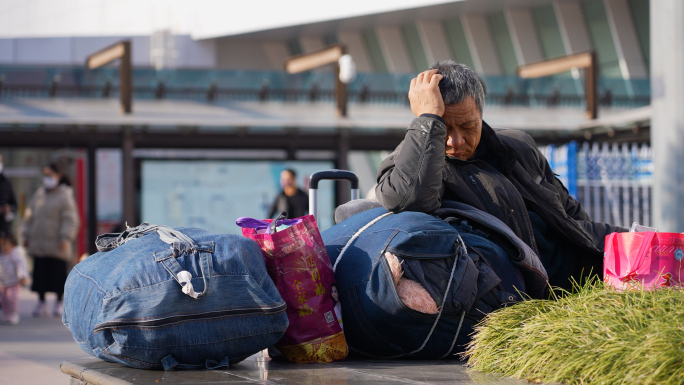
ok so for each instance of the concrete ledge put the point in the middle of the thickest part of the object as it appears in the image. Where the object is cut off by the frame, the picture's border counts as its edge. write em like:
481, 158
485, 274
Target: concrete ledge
257, 370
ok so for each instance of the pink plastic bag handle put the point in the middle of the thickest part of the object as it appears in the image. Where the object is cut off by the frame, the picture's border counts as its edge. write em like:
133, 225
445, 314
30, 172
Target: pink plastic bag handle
643, 248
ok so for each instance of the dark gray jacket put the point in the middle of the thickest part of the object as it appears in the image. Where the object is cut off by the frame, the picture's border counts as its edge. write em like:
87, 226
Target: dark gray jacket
6, 198
512, 178
7, 194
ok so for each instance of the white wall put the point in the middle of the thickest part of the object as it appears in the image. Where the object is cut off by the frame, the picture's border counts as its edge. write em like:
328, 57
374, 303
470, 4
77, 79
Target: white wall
74, 50
194, 53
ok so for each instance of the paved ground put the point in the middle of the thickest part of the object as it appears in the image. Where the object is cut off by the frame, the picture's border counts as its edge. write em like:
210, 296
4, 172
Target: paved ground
30, 353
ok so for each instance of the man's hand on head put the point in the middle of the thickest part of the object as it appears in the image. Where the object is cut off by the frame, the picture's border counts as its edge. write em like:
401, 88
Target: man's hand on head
424, 94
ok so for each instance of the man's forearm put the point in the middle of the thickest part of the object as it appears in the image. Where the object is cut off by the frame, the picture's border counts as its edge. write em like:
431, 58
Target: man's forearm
411, 178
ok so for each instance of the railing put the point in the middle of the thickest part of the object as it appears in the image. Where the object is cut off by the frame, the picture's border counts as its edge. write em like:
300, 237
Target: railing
383, 88
612, 181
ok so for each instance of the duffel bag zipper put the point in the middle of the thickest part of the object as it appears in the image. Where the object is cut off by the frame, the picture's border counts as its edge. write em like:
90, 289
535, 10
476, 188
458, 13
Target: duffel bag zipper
161, 322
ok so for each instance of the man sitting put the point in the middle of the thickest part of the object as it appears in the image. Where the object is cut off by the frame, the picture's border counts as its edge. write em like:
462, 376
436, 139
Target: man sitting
450, 153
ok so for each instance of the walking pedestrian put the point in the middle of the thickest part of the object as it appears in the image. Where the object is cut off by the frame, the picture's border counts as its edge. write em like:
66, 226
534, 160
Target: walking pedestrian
50, 227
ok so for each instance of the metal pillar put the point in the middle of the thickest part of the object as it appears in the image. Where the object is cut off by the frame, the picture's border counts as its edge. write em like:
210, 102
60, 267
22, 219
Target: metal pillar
555, 66
126, 79
343, 191
340, 94
667, 122
128, 178
121, 51
92, 198
310, 61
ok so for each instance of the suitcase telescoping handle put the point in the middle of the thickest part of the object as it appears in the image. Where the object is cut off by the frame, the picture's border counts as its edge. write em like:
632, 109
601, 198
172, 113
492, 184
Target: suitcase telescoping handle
332, 175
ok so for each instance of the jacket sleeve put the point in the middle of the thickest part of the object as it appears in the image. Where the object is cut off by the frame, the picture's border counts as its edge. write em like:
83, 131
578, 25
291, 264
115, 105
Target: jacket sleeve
19, 256
410, 179
272, 209
572, 207
69, 220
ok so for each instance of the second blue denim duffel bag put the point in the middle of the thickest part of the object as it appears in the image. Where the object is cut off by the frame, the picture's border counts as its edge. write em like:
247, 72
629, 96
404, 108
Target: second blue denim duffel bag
161, 298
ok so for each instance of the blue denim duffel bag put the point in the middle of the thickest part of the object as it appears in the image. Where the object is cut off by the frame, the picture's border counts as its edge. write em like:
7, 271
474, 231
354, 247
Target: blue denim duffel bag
156, 297
465, 270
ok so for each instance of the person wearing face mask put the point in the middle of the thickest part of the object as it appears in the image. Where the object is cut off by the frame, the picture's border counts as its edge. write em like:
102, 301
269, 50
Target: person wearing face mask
291, 199
8, 202
450, 154
50, 227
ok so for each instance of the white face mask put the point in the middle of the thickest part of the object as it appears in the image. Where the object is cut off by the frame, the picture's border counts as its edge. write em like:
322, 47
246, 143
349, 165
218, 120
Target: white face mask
49, 182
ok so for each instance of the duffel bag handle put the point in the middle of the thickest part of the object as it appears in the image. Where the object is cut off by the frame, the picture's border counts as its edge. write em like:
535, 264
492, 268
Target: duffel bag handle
180, 244
184, 278
110, 241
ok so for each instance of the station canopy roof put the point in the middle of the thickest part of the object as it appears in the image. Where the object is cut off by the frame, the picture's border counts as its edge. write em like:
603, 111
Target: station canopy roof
260, 118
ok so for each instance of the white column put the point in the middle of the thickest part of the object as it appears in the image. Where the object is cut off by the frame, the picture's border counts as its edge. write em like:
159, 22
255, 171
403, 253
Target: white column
357, 49
632, 64
667, 122
481, 45
434, 40
276, 52
394, 50
524, 35
311, 43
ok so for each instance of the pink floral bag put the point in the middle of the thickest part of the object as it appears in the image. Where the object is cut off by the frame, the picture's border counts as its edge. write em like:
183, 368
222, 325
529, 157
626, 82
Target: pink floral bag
299, 265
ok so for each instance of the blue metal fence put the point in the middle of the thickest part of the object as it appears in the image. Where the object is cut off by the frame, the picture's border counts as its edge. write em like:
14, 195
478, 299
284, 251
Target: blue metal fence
612, 181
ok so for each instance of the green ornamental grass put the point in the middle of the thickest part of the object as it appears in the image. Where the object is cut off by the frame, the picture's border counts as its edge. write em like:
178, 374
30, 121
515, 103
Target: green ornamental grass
597, 335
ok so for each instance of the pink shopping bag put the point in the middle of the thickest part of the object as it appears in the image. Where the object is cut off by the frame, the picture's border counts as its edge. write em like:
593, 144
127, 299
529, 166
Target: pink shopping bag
652, 260
299, 265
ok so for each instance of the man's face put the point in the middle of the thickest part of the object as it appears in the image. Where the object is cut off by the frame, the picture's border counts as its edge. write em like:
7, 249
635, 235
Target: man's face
464, 128
286, 179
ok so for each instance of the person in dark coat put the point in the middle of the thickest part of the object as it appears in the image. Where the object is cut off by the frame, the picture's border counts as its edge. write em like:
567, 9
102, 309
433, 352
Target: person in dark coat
8, 202
450, 154
291, 199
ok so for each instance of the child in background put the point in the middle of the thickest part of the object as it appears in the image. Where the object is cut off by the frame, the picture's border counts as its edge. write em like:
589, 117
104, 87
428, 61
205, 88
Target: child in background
13, 273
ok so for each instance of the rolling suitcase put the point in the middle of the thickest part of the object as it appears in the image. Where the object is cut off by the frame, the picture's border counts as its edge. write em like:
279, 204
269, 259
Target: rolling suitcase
330, 175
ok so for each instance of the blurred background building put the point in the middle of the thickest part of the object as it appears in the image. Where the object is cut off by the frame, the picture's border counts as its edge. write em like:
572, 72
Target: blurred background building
215, 117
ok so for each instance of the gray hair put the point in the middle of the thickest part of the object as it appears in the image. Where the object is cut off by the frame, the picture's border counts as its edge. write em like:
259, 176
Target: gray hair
458, 83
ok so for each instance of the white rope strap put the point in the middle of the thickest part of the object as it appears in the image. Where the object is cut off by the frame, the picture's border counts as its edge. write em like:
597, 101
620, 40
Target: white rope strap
356, 235
439, 315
